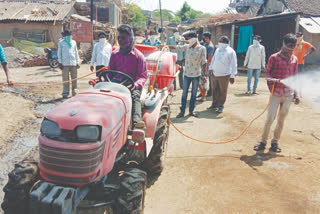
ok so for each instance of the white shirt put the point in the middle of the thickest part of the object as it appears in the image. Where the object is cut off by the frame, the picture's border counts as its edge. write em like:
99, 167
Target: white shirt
68, 56
224, 62
101, 54
256, 57
195, 58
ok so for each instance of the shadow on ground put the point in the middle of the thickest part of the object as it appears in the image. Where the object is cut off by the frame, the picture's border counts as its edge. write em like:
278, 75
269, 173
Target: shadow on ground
257, 159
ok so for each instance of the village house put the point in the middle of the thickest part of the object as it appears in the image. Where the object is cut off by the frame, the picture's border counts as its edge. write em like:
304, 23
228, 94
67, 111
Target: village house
38, 22
309, 23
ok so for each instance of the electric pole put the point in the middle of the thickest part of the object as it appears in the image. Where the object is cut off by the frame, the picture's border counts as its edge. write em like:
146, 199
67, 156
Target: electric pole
161, 15
91, 16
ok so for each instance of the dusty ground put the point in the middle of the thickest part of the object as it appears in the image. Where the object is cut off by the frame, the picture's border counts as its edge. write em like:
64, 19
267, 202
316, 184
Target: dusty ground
198, 178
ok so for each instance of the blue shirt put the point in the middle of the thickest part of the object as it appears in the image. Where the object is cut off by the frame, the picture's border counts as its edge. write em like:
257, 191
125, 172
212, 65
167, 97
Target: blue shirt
148, 42
210, 49
2, 56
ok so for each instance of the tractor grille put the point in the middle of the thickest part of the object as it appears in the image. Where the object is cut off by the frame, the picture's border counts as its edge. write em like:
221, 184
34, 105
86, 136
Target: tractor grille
70, 161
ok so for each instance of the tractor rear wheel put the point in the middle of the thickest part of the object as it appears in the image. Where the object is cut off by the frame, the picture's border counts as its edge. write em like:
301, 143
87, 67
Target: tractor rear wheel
21, 180
155, 161
131, 192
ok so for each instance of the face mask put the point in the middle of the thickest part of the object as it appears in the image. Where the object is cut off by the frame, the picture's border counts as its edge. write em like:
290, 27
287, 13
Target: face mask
176, 34
102, 40
222, 45
256, 42
68, 40
192, 41
286, 51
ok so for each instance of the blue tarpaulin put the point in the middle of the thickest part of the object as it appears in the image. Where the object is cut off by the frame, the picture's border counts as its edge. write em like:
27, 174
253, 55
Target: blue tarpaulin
245, 38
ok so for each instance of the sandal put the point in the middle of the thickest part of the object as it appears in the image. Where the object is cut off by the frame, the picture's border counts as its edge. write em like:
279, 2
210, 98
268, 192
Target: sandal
275, 148
259, 146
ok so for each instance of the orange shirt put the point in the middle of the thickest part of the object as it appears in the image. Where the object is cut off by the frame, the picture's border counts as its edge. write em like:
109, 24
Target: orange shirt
301, 53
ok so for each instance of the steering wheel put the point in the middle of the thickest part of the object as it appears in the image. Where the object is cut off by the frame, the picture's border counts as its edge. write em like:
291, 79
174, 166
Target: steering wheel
111, 76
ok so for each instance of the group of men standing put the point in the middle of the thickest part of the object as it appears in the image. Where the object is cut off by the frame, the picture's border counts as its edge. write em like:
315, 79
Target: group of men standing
205, 67
69, 60
220, 66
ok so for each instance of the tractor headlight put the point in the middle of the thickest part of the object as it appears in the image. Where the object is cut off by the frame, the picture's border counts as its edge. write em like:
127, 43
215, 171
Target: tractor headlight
88, 133
50, 129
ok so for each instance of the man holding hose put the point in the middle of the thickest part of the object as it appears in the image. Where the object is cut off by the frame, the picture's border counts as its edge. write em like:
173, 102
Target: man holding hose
281, 65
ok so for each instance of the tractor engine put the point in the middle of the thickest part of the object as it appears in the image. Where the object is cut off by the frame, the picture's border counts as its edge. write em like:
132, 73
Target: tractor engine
80, 139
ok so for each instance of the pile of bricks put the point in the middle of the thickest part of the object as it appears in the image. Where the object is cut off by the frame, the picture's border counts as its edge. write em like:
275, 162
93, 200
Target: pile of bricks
36, 61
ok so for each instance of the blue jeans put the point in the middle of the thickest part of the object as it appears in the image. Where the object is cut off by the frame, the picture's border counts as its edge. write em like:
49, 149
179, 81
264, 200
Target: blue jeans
256, 73
186, 84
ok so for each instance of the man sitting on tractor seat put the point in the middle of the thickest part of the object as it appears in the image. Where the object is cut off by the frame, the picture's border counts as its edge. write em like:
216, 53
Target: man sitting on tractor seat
127, 59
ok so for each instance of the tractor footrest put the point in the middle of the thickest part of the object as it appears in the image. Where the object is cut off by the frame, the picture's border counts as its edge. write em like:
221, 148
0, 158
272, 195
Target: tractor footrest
51, 199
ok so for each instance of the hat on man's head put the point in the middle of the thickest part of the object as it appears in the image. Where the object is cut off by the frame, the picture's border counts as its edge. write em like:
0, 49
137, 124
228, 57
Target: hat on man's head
102, 33
67, 32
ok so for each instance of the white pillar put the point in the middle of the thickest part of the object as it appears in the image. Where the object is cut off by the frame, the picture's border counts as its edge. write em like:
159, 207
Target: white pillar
232, 36
297, 23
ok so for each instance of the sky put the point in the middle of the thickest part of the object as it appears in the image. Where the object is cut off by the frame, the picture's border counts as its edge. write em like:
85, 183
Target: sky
206, 6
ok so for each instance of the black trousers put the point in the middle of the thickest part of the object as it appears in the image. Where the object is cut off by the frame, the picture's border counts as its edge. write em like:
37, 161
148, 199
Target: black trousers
136, 107
98, 67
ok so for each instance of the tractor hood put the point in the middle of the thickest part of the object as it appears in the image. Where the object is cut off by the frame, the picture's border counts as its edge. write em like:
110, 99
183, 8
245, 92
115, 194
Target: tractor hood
93, 107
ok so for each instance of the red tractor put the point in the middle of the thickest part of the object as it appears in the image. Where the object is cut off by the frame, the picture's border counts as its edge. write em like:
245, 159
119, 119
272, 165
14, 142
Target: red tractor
89, 155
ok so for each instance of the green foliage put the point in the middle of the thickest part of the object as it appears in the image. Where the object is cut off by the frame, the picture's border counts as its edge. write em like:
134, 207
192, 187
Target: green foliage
167, 15
136, 17
186, 12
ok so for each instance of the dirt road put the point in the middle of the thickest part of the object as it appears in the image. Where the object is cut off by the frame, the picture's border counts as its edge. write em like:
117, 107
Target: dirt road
198, 178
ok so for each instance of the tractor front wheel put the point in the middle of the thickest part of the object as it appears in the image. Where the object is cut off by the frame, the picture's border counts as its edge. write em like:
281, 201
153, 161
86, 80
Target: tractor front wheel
21, 180
131, 192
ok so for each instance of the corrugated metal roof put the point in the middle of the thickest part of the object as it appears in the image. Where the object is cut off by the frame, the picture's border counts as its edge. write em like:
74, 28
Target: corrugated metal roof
26, 11
312, 25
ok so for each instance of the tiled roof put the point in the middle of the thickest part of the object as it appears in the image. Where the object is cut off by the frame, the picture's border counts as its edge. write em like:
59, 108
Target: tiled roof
38, 12
307, 7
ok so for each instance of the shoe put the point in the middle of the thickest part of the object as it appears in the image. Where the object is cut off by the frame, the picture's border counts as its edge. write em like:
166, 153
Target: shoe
64, 96
275, 148
199, 96
180, 115
140, 125
193, 114
248, 92
200, 101
254, 92
212, 108
261, 146
220, 110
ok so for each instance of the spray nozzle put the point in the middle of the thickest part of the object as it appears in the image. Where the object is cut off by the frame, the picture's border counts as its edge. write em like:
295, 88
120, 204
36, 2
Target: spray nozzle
273, 80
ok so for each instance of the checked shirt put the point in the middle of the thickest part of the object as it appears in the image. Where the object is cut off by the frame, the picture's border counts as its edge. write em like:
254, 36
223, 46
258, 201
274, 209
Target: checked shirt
281, 68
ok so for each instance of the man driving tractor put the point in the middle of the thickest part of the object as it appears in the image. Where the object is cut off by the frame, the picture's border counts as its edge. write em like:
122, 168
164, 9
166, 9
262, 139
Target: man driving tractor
127, 59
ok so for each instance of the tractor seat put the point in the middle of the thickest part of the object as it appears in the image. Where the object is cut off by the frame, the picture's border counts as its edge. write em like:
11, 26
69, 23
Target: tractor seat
111, 86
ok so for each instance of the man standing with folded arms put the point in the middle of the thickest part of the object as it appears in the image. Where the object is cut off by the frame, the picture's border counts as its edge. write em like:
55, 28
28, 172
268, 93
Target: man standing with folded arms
223, 69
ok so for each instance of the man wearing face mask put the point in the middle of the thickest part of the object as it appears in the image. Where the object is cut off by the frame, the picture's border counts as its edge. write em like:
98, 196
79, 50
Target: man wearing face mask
223, 69
101, 53
302, 50
195, 64
281, 65
69, 62
174, 40
127, 59
255, 61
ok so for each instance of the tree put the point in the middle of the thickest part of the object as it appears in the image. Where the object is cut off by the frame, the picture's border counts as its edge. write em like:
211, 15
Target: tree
135, 16
186, 12
167, 15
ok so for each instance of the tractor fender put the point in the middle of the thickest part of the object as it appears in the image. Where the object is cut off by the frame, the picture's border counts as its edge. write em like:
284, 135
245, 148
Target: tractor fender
151, 115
